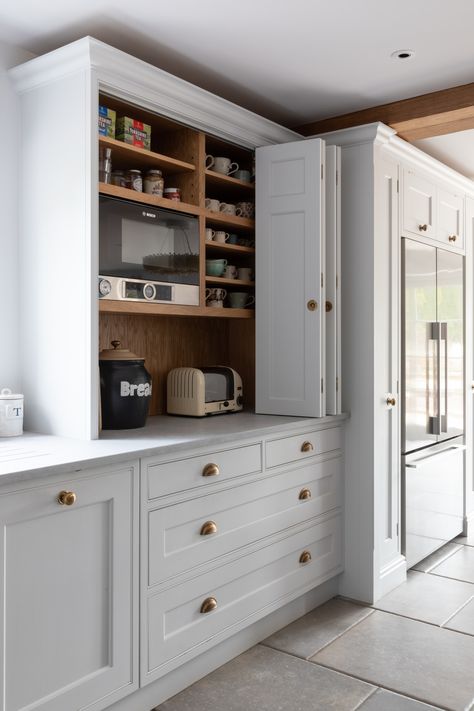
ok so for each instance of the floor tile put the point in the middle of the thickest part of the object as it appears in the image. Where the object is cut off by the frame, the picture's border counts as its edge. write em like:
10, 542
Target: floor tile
315, 630
466, 540
427, 597
463, 621
412, 658
384, 700
263, 679
459, 566
437, 557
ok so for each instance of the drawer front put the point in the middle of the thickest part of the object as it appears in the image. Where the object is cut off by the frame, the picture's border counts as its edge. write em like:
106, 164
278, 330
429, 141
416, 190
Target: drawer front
243, 591
451, 218
195, 532
302, 446
170, 477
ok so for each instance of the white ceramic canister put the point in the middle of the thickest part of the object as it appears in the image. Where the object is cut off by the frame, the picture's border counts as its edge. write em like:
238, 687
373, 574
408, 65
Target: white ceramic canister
11, 413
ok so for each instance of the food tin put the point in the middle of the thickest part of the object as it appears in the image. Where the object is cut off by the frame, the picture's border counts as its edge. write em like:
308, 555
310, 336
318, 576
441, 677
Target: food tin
172, 194
11, 413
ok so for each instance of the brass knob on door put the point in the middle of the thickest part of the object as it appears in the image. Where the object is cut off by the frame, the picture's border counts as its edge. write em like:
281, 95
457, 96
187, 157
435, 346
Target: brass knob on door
328, 306
452, 238
391, 401
307, 447
210, 470
209, 604
67, 498
208, 528
423, 228
304, 494
312, 305
305, 557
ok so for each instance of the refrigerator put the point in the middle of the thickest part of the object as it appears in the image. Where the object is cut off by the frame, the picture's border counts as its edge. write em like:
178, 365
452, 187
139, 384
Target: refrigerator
432, 423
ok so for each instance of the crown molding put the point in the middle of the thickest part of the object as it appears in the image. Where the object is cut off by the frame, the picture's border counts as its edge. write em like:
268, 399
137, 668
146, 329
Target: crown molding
357, 135
137, 81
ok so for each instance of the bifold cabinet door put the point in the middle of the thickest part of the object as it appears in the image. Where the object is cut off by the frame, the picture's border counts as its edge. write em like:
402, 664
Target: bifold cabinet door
290, 296
333, 280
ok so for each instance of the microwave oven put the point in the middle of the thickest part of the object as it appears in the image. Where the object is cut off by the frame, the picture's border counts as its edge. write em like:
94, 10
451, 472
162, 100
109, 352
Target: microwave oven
197, 392
147, 253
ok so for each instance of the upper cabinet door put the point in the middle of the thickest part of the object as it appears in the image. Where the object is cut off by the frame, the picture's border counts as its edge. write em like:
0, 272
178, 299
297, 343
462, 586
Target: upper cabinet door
290, 294
333, 280
451, 218
419, 205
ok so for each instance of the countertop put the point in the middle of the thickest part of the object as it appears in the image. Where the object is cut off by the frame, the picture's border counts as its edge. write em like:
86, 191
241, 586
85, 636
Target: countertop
23, 458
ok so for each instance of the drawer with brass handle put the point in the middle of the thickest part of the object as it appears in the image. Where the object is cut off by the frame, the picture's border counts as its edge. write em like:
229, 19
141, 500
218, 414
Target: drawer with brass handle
193, 533
210, 470
186, 619
289, 449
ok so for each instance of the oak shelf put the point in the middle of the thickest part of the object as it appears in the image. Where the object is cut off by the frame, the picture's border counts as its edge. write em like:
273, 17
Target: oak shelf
219, 180
126, 156
145, 308
230, 248
229, 282
152, 200
220, 219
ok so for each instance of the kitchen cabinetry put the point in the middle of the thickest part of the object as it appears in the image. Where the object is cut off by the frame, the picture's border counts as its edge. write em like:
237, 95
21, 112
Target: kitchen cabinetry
69, 593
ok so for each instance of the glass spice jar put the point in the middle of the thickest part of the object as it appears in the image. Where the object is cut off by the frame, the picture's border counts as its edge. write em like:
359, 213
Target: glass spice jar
134, 180
173, 194
153, 183
118, 178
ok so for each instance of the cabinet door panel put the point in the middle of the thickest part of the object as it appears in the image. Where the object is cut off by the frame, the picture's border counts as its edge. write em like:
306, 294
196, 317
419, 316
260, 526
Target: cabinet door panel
67, 592
333, 276
451, 218
419, 205
290, 265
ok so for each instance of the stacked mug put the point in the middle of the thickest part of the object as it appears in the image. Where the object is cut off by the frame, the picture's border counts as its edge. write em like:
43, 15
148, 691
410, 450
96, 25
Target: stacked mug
225, 166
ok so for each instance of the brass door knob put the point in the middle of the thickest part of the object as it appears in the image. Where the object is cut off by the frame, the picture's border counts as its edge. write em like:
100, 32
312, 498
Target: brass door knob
67, 498
209, 604
305, 557
452, 238
423, 228
328, 306
312, 305
210, 470
208, 528
307, 447
304, 494
391, 401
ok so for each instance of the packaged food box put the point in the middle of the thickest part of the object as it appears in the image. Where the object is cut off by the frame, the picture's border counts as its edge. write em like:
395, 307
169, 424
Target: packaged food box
106, 122
134, 132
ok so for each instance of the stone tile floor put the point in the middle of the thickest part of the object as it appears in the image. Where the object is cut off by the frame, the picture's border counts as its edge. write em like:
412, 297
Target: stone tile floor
412, 651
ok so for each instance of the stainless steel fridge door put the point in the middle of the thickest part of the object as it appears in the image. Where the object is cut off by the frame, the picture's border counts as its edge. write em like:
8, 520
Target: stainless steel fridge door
420, 347
433, 498
450, 285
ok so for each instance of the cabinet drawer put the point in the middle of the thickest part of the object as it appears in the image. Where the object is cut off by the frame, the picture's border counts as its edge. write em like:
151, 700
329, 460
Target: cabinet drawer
206, 469
302, 446
195, 532
244, 590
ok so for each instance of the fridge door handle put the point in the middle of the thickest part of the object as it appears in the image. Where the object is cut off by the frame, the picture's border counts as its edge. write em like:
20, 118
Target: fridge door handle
444, 452
444, 337
434, 421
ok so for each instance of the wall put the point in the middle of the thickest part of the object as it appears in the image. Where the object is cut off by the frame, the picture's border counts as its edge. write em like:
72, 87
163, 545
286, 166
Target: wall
9, 356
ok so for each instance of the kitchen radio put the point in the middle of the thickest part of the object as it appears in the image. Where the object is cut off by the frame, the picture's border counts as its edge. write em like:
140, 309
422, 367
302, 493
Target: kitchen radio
197, 392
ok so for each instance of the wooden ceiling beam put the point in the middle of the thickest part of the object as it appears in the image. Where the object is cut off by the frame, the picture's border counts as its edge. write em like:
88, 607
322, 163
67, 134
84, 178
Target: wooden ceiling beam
434, 114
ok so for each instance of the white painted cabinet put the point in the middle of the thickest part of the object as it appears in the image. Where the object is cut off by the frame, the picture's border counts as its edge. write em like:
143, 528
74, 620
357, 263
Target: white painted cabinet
290, 295
69, 592
450, 218
333, 377
419, 204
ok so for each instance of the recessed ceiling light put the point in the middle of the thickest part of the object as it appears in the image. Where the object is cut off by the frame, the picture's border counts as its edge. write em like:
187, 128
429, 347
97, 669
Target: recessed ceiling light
403, 54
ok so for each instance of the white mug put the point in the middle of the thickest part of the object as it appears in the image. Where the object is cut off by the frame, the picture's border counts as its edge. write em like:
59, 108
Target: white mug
215, 297
221, 237
11, 413
227, 208
210, 234
244, 273
213, 205
224, 166
230, 272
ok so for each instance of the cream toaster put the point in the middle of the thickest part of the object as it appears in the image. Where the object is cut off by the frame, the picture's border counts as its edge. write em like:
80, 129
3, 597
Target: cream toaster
204, 391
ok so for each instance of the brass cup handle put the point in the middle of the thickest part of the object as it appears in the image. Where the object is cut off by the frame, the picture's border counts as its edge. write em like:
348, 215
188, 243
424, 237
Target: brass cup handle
452, 238
209, 604
391, 401
423, 228
208, 528
305, 557
210, 470
307, 447
312, 305
67, 498
304, 494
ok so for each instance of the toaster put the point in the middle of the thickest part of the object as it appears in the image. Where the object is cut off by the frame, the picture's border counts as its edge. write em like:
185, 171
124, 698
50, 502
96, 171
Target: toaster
204, 391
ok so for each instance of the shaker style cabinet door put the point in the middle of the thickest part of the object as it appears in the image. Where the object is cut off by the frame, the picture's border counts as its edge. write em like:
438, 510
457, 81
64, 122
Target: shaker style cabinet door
333, 280
68, 597
451, 218
419, 205
290, 296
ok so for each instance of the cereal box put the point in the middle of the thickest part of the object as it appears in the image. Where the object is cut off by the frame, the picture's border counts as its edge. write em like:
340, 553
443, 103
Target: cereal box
106, 122
134, 132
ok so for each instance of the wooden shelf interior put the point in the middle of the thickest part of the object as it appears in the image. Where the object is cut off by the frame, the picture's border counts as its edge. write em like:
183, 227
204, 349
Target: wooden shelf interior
125, 157
229, 249
217, 220
228, 189
218, 147
223, 281
144, 198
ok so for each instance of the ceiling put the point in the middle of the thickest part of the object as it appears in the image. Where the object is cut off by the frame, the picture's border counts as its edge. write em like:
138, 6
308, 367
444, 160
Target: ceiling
294, 61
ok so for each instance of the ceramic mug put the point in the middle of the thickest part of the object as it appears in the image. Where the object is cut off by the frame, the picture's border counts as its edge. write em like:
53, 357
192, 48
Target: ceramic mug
245, 209
233, 239
240, 299
215, 297
215, 267
243, 175
227, 208
221, 237
221, 165
230, 272
244, 273
210, 234
213, 205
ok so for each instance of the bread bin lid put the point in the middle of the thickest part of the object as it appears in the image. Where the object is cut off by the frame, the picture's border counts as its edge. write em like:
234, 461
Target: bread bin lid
117, 353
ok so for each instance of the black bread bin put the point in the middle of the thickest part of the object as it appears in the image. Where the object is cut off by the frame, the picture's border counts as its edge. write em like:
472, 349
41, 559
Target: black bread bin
125, 388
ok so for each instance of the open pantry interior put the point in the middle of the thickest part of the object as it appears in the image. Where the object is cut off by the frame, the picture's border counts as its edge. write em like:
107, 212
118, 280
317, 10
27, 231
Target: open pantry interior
171, 335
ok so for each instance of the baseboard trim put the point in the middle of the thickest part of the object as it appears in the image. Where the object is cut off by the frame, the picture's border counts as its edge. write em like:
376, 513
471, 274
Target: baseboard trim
468, 524
155, 693
391, 577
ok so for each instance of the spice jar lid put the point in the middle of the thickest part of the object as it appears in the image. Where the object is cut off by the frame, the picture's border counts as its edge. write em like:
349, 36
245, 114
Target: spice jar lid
134, 170
172, 190
6, 394
154, 171
118, 353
